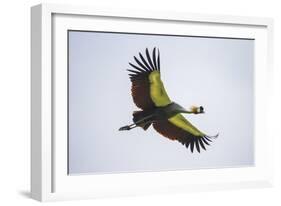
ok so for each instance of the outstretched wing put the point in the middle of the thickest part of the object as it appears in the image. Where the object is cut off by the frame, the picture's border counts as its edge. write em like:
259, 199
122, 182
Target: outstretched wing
147, 88
179, 128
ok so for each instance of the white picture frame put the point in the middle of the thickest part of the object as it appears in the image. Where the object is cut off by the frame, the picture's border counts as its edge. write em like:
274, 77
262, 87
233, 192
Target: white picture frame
49, 179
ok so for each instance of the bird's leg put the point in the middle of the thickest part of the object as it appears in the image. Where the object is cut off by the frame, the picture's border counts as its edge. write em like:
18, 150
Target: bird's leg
128, 127
134, 125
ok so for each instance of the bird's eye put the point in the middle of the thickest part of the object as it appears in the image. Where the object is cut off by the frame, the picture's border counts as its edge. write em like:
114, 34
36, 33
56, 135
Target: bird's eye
201, 109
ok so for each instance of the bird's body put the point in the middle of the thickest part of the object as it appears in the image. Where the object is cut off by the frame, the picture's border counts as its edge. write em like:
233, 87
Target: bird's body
149, 94
157, 114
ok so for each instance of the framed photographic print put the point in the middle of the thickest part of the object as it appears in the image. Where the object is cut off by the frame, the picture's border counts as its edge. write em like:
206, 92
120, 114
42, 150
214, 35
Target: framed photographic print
136, 102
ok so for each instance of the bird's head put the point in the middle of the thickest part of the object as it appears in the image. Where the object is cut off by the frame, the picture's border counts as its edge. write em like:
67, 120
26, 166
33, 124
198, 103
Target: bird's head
197, 110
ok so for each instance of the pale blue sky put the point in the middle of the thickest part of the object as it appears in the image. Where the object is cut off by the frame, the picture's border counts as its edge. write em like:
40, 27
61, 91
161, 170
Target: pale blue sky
213, 72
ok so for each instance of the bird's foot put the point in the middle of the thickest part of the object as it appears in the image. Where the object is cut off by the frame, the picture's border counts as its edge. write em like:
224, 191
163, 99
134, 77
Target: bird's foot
124, 128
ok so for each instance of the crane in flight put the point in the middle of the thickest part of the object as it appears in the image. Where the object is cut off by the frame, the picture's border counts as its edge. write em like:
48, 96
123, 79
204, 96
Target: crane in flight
157, 109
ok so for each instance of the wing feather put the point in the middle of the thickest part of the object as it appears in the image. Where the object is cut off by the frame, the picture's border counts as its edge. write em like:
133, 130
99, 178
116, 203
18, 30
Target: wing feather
201, 144
144, 61
185, 133
140, 78
197, 145
157, 90
154, 58
147, 87
141, 65
137, 68
192, 146
149, 59
158, 61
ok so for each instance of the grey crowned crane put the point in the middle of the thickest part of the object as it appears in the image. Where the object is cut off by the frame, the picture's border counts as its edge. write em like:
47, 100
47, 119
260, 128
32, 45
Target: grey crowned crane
157, 109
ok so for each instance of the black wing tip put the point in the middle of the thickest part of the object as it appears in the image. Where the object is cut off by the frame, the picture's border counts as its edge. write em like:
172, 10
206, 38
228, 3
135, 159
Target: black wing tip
200, 143
136, 70
152, 63
212, 137
145, 66
147, 50
149, 59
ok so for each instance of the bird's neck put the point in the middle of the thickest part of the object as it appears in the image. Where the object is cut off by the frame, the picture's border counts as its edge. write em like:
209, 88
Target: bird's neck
179, 109
185, 111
